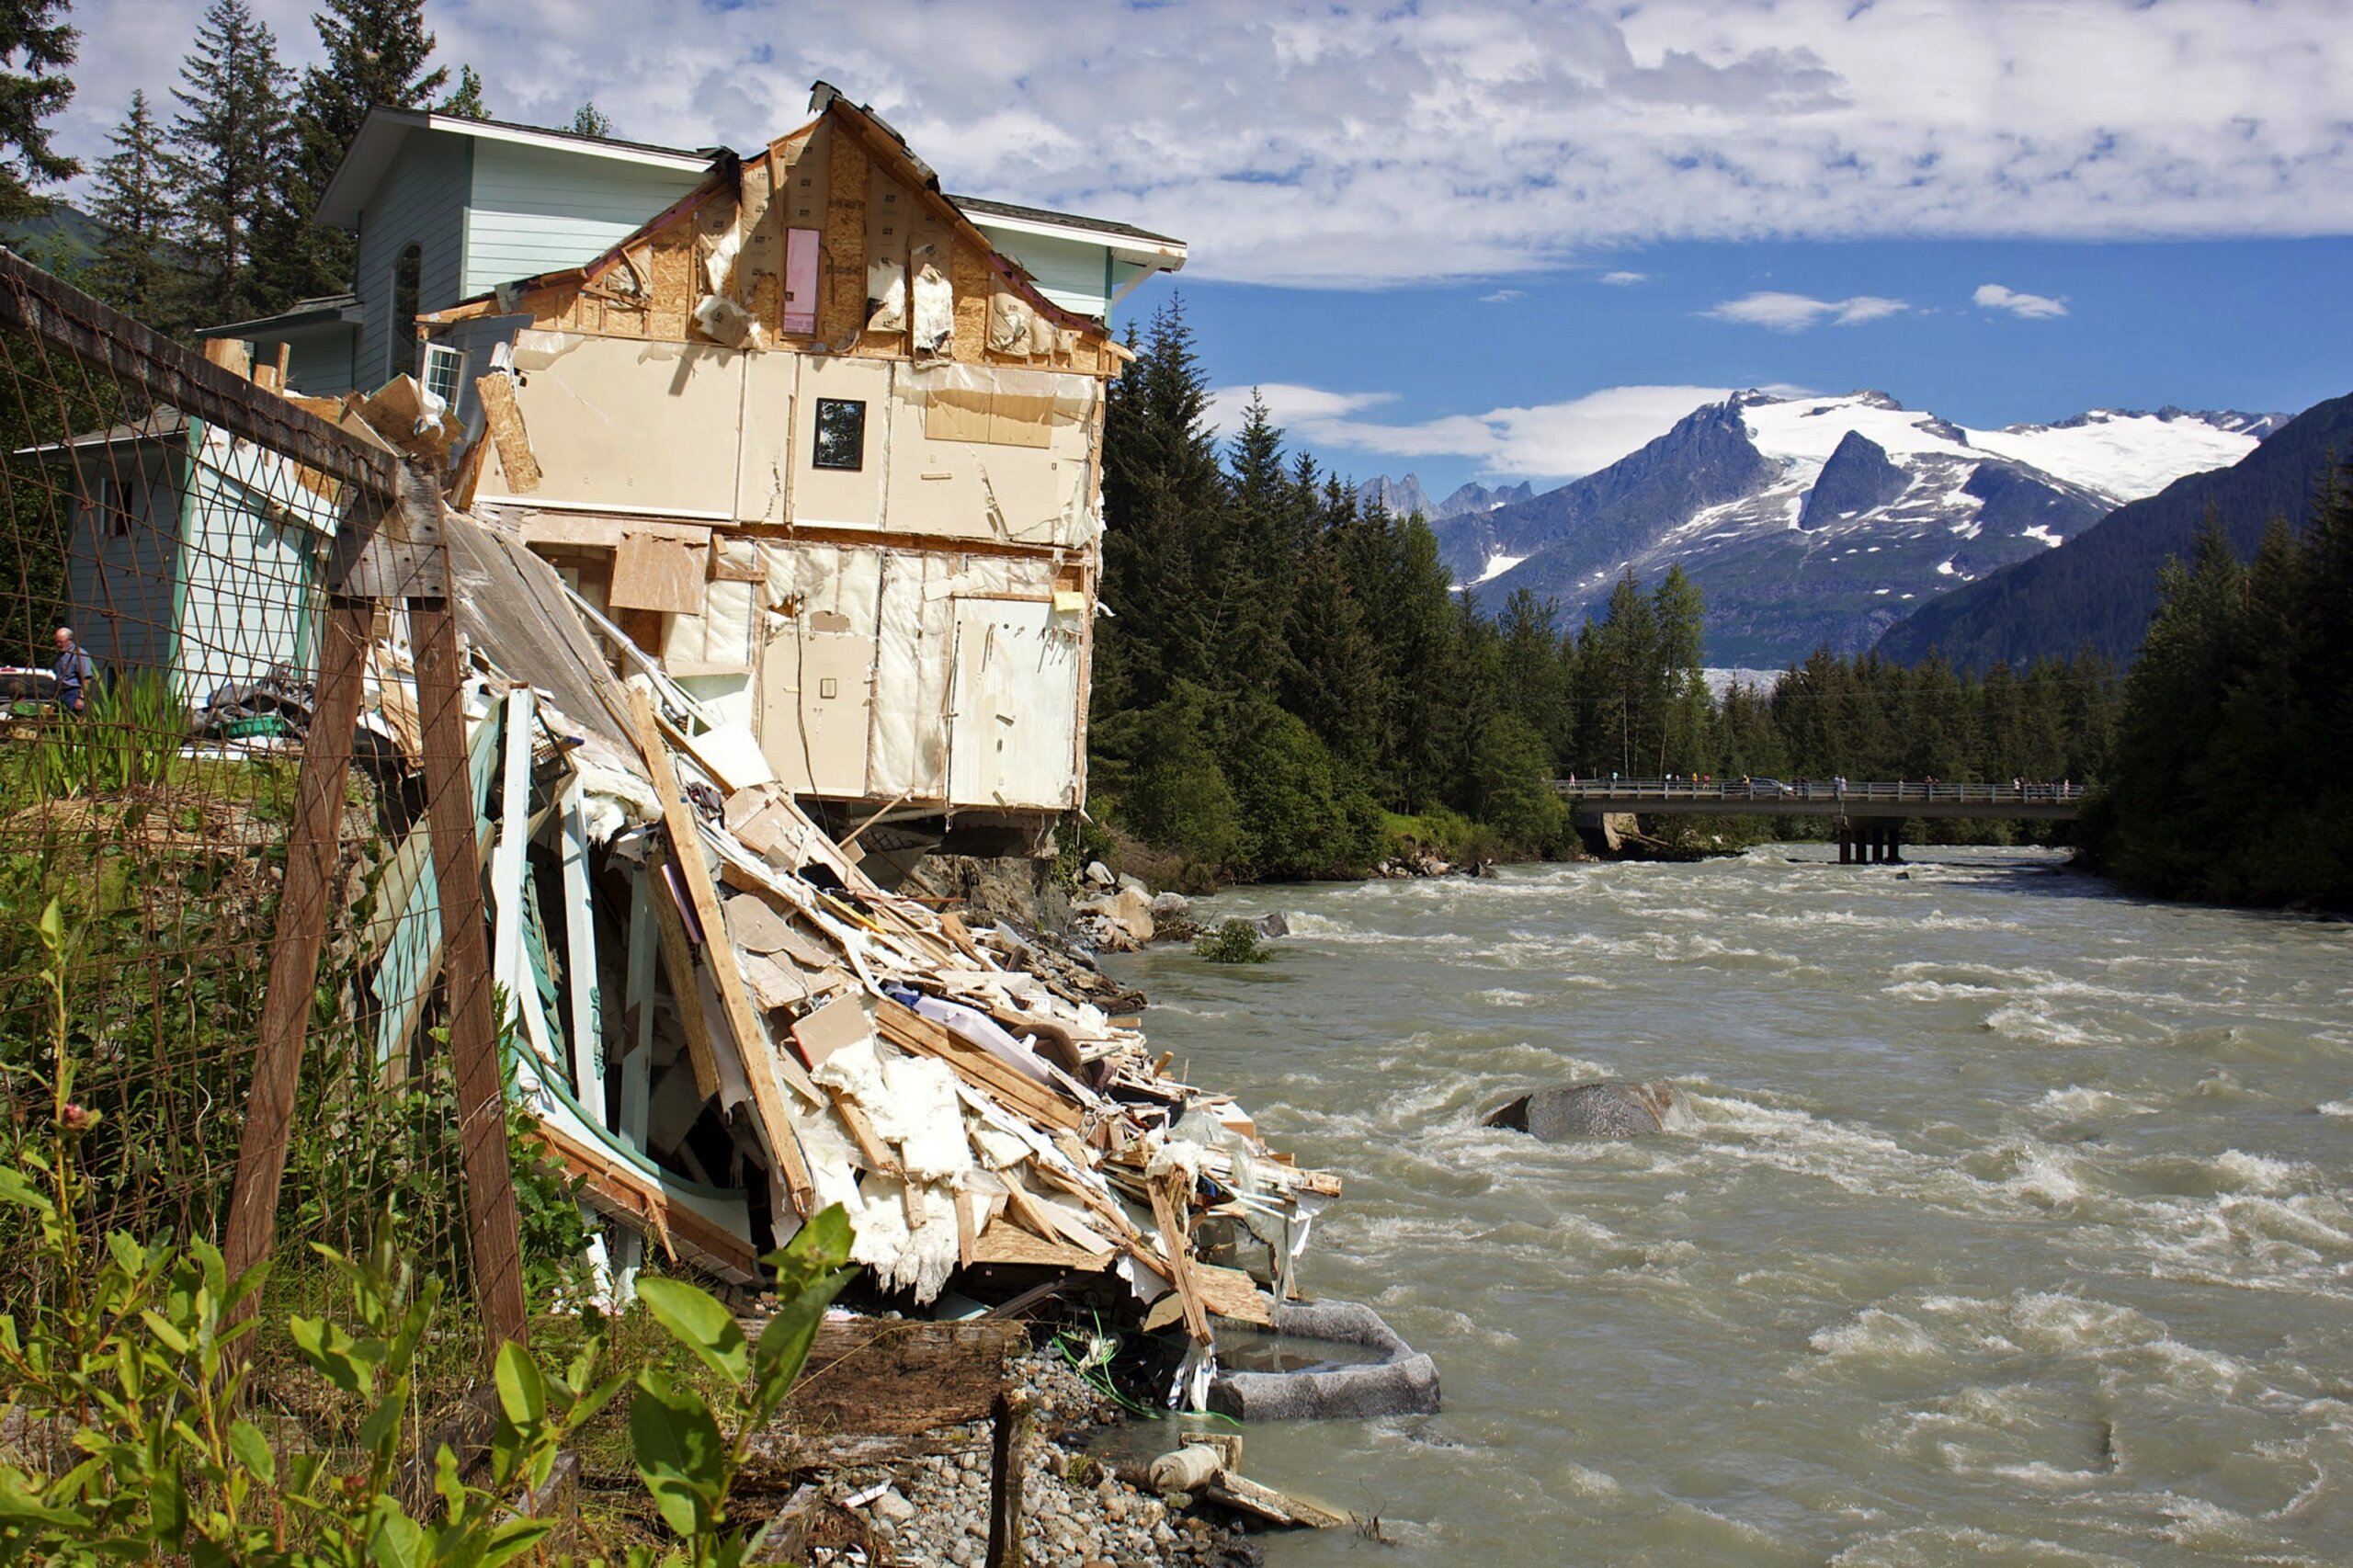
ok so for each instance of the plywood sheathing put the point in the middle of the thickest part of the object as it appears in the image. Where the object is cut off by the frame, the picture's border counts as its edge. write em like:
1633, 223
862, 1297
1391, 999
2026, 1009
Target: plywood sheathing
970, 278
841, 308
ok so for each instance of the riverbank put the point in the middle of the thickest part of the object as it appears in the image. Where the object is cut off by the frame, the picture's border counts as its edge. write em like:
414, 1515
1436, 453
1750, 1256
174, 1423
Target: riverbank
1079, 1510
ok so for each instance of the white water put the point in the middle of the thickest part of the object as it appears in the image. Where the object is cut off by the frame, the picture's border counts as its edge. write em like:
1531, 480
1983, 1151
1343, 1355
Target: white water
2011, 1229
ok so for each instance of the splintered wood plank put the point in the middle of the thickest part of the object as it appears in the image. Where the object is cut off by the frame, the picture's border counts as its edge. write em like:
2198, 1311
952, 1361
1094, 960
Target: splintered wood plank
1010, 1087
751, 1035
1168, 1212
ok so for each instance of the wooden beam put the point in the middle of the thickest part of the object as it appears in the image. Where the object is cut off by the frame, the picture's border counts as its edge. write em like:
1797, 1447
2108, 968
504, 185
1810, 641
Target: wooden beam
1168, 1211
465, 966
1009, 1086
311, 841
118, 347
763, 1062
678, 963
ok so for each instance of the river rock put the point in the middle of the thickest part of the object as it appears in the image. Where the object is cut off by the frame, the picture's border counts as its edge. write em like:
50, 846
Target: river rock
1170, 906
1128, 908
1612, 1107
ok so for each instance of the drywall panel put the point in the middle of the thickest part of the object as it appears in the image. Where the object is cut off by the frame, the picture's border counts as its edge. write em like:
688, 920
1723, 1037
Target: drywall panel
630, 425
1015, 709
815, 701
763, 482
841, 497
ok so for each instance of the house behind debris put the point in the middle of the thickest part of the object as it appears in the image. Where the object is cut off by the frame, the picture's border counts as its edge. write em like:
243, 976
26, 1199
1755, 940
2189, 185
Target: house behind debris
827, 438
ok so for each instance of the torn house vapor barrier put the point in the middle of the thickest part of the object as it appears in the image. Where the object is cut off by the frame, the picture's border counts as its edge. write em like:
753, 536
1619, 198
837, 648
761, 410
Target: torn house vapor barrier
723, 1024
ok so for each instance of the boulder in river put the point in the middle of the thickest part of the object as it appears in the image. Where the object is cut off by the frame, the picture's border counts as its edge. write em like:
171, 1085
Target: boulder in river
1611, 1107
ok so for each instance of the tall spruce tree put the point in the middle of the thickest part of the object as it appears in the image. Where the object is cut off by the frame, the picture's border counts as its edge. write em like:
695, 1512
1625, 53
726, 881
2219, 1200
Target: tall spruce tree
229, 145
376, 53
141, 267
465, 99
36, 45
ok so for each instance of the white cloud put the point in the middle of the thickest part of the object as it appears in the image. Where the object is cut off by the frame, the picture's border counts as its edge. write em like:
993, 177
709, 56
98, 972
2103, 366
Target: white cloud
1351, 141
1547, 441
2034, 307
1622, 279
1503, 296
1795, 313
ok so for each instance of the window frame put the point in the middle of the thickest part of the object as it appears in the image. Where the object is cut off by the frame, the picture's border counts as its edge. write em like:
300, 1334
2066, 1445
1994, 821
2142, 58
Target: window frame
403, 354
818, 432
442, 353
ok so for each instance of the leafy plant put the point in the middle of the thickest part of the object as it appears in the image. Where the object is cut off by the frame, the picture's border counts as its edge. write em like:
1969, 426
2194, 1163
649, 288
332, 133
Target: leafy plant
125, 1370
1236, 941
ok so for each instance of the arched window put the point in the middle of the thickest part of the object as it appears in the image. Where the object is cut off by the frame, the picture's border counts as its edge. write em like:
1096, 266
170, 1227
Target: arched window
408, 284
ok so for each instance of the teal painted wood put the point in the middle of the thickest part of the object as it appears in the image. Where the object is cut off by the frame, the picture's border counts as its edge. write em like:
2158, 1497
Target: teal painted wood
1068, 272
414, 955
584, 1006
637, 1065
122, 588
250, 539
534, 210
421, 202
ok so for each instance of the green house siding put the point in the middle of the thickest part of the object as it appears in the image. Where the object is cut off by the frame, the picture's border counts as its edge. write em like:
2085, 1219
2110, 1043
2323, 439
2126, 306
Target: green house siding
1073, 274
421, 202
249, 584
536, 209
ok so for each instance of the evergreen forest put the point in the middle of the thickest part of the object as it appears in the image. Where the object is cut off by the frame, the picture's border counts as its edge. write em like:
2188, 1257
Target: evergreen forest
1290, 686
2233, 752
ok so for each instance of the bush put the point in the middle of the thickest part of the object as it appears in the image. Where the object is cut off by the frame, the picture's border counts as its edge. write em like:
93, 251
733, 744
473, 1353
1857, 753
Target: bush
1236, 941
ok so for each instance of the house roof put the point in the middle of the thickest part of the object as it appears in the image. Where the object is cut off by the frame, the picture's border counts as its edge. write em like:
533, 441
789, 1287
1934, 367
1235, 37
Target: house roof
385, 129
1005, 214
160, 426
319, 312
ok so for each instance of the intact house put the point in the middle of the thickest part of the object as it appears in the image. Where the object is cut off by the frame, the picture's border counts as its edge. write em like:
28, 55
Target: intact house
192, 551
823, 440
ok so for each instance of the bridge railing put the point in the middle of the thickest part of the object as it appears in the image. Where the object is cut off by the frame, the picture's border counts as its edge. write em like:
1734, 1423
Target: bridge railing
1822, 792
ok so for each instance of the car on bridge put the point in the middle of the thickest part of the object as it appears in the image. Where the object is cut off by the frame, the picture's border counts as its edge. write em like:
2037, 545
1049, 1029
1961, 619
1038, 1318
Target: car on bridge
1768, 788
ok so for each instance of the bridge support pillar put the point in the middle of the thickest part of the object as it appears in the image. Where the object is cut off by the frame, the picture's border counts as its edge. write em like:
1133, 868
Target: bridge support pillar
1878, 845
1895, 844
1846, 846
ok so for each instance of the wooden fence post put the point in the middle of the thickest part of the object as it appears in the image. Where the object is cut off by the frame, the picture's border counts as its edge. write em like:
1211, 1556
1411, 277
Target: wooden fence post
311, 841
465, 971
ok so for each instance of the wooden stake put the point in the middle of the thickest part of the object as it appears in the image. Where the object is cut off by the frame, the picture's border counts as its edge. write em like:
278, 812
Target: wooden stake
465, 968
310, 844
1012, 1420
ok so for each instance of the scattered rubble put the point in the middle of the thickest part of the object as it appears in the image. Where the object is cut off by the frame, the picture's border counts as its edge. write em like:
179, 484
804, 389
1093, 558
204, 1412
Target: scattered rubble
727, 1025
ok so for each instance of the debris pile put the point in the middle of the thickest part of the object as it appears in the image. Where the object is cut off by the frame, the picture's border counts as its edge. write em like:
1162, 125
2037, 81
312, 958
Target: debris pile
724, 1024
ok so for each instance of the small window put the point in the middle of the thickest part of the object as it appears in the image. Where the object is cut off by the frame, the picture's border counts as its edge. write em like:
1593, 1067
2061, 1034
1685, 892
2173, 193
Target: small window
841, 433
445, 372
408, 287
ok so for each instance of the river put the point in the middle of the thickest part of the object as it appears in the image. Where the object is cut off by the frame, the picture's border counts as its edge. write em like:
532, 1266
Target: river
2010, 1229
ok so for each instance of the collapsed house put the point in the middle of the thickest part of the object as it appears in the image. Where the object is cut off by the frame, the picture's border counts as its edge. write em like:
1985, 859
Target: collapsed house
854, 503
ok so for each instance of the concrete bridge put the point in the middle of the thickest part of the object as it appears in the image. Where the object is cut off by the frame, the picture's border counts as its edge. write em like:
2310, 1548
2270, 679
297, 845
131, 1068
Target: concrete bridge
1869, 815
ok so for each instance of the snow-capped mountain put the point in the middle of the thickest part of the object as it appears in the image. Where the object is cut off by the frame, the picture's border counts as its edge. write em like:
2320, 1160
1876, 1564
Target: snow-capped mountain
1808, 520
1406, 496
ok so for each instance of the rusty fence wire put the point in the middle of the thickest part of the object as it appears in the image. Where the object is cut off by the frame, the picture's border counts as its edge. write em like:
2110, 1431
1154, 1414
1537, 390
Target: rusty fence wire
168, 547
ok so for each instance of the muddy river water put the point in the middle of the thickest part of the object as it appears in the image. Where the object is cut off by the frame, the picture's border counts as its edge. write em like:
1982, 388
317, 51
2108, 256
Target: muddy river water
2012, 1226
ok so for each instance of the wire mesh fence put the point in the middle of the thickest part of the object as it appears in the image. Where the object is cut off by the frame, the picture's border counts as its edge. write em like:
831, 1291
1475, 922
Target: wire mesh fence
173, 786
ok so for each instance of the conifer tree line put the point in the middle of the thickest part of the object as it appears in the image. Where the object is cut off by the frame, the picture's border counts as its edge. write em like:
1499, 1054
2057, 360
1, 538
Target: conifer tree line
2234, 754
204, 204
1289, 685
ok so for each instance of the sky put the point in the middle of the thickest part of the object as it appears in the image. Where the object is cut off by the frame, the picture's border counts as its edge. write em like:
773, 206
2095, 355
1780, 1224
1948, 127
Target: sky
1494, 240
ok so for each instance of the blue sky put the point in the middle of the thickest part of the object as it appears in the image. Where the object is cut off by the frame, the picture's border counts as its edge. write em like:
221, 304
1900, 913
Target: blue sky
2260, 325
1402, 213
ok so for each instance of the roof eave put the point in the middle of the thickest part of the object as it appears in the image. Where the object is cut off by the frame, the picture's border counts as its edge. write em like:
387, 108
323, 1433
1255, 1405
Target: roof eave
381, 133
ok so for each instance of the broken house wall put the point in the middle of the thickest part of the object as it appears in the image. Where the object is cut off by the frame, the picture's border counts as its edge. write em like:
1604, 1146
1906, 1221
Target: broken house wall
680, 379
122, 564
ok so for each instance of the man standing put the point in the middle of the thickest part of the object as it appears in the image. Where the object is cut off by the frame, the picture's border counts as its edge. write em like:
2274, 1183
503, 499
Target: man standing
74, 672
